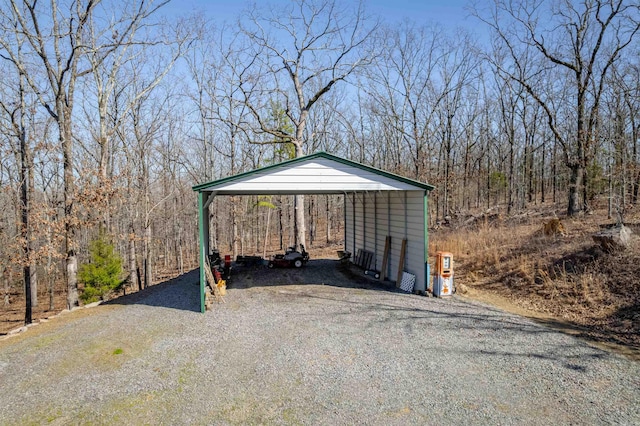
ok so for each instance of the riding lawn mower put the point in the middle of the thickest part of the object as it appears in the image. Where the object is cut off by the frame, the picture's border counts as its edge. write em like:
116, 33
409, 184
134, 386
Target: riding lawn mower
291, 258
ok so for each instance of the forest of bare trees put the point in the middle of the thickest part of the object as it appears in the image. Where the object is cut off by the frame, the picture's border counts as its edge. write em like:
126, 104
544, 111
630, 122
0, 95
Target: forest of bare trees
110, 111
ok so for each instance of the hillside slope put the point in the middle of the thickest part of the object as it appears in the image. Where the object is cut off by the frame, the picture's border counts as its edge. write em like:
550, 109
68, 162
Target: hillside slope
568, 280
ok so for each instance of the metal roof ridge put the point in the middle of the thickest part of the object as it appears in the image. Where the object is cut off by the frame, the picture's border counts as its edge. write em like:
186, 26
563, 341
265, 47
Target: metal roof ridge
319, 154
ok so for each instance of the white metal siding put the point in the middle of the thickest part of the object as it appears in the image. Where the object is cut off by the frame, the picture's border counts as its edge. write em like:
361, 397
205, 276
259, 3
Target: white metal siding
348, 223
396, 230
382, 222
359, 226
407, 221
317, 175
415, 256
399, 214
370, 229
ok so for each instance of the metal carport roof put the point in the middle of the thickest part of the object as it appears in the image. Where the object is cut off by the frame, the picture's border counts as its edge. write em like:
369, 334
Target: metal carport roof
318, 173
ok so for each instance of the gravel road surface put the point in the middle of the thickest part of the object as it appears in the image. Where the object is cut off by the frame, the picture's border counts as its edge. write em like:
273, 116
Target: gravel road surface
317, 348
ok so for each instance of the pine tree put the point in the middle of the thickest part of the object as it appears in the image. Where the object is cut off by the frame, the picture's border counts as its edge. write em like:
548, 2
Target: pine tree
102, 274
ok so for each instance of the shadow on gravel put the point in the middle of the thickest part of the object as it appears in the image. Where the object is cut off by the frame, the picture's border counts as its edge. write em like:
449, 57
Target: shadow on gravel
182, 293
328, 272
466, 319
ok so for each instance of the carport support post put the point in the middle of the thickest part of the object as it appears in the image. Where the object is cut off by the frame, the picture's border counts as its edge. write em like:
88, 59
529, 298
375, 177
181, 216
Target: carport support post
427, 267
203, 257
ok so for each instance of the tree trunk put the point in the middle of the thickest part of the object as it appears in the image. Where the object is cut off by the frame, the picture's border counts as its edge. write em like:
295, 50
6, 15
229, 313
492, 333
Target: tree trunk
32, 267
299, 220
51, 277
34, 284
266, 233
133, 276
575, 183
542, 174
511, 172
312, 220
148, 276
139, 277
636, 186
7, 288
554, 172
635, 135
488, 182
234, 227
447, 170
300, 227
69, 195
27, 294
72, 279
280, 228
178, 239
328, 214
466, 198
25, 207
610, 187
531, 196
51, 294
585, 188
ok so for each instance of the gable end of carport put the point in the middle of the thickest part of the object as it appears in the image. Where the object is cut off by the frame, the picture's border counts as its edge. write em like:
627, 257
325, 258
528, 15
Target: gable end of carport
375, 211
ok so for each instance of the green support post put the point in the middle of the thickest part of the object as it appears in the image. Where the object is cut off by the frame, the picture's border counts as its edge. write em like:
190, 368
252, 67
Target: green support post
426, 242
203, 257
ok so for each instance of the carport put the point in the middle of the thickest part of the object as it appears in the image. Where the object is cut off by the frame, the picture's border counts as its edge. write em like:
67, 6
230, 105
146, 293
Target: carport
381, 209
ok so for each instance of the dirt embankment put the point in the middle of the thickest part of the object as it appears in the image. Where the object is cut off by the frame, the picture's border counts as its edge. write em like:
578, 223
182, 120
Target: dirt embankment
566, 281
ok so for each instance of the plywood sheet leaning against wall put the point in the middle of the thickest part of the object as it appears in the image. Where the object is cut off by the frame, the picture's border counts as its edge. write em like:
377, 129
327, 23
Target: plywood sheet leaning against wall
403, 250
385, 257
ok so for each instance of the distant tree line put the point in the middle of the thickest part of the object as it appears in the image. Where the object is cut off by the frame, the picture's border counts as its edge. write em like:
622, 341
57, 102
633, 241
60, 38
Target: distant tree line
110, 111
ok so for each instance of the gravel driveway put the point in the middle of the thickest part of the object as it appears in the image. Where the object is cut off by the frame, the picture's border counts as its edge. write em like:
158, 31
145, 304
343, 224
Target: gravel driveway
316, 349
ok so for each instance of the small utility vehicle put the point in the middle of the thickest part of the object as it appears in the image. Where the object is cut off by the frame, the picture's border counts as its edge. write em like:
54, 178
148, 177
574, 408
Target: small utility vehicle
291, 258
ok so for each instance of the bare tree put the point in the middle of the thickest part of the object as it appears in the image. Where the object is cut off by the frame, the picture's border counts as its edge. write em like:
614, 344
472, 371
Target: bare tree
218, 74
111, 50
402, 88
56, 36
627, 80
68, 43
114, 68
297, 56
16, 114
13, 115
579, 41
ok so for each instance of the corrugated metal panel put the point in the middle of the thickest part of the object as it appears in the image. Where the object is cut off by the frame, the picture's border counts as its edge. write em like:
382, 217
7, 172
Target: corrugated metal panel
317, 175
359, 226
388, 212
415, 245
382, 221
394, 258
407, 221
397, 230
370, 223
349, 243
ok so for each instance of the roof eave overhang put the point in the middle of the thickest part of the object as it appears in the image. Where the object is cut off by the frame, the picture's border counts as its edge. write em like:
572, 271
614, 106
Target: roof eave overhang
299, 192
217, 186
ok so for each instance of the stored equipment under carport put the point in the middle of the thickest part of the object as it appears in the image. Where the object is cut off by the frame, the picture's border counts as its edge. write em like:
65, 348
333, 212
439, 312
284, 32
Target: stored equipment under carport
375, 274
364, 259
291, 258
223, 265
